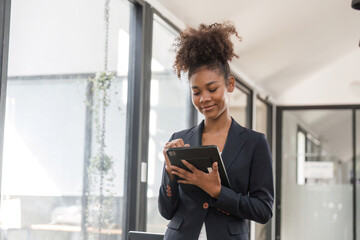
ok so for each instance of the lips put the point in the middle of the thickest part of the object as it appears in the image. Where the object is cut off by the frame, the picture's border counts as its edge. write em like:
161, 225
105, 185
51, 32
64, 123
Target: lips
208, 108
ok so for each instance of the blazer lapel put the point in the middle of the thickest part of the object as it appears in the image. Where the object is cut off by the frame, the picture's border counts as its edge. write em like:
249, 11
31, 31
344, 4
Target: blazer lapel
234, 142
195, 139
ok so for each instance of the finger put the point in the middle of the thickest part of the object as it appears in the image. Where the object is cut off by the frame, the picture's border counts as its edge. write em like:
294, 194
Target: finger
175, 168
184, 182
180, 175
187, 145
166, 147
175, 144
189, 165
178, 142
167, 160
180, 171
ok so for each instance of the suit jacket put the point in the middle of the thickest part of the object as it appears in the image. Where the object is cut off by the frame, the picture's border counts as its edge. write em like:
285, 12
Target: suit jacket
248, 162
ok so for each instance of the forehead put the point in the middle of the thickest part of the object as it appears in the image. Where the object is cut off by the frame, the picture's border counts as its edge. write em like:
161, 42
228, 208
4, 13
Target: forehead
206, 77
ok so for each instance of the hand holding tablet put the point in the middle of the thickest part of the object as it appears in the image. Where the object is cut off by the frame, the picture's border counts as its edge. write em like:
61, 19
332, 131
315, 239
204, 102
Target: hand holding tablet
200, 157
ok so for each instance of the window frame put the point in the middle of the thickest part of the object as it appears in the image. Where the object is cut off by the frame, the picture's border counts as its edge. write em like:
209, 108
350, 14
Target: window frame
5, 6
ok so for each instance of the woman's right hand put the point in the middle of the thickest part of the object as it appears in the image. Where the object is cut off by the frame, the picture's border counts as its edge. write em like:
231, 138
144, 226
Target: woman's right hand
173, 144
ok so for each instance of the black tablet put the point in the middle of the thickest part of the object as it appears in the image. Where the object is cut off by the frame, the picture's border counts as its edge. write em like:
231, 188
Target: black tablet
136, 235
202, 158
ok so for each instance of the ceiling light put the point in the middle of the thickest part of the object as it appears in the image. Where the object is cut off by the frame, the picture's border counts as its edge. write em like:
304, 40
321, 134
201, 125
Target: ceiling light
356, 4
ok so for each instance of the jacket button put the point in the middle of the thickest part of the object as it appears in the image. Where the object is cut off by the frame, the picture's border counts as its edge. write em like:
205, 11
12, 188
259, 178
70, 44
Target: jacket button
205, 205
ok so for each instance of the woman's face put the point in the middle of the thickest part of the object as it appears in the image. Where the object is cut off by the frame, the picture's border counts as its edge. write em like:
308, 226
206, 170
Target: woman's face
210, 95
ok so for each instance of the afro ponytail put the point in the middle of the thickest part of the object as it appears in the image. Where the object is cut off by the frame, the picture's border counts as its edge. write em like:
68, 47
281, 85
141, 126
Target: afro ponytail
208, 46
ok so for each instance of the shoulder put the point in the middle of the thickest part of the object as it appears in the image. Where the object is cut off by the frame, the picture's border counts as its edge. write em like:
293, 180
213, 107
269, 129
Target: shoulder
257, 140
254, 134
250, 135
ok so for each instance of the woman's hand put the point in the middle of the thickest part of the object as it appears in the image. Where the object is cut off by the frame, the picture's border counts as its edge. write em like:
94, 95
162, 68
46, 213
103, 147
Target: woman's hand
173, 144
209, 182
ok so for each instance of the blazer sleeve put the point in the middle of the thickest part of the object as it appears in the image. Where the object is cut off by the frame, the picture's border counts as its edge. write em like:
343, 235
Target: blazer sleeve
168, 200
257, 205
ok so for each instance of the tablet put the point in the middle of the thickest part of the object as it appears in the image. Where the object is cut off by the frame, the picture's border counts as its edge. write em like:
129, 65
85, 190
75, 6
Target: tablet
202, 158
136, 235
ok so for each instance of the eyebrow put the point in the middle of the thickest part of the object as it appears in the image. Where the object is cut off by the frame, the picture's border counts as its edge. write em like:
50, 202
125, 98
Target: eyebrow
208, 84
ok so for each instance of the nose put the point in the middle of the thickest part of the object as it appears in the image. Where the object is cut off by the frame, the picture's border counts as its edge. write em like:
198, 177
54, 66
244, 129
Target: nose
205, 97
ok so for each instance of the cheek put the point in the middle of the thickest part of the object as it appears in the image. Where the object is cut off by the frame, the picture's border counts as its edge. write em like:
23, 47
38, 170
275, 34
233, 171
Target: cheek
195, 100
220, 97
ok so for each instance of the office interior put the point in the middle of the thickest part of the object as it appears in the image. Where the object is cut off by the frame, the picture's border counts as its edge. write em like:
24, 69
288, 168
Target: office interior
89, 98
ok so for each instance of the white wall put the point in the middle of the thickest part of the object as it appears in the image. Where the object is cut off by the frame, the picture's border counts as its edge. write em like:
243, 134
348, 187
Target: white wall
323, 87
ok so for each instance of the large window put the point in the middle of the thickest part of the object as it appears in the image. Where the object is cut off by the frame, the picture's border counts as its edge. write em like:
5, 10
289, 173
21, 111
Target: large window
52, 159
264, 125
357, 173
168, 113
240, 105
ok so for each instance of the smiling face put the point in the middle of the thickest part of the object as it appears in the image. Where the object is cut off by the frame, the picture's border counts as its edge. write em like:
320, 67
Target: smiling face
210, 94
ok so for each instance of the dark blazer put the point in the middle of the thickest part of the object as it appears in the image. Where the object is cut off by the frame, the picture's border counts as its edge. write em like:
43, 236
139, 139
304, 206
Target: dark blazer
248, 162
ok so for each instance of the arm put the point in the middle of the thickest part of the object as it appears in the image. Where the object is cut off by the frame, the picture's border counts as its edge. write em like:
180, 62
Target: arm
168, 200
256, 206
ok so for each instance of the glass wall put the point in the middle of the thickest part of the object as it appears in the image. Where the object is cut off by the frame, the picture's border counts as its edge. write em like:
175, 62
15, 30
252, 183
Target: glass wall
262, 117
57, 179
263, 122
357, 174
239, 106
168, 114
317, 177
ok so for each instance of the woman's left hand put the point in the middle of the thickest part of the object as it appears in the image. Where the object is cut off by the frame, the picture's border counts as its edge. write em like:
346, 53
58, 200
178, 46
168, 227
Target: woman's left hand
209, 182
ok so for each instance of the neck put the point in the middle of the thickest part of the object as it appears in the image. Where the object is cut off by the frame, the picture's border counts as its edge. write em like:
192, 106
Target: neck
222, 123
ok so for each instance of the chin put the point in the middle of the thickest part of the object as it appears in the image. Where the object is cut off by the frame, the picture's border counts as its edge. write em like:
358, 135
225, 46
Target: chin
212, 116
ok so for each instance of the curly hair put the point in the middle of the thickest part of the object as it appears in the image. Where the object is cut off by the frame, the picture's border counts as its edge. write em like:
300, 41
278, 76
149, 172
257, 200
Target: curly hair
208, 46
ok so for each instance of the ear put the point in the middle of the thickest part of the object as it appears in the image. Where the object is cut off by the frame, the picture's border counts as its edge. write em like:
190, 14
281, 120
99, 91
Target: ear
231, 84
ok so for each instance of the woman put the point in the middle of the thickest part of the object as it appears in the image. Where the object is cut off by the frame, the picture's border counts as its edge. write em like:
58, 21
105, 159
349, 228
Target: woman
216, 212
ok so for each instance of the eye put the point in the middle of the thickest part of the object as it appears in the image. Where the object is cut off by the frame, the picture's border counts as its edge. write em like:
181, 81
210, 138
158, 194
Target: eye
196, 93
213, 90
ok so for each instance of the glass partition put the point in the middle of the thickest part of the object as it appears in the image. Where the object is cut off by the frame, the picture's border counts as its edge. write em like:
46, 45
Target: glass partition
263, 120
239, 107
262, 117
357, 174
168, 114
49, 188
317, 190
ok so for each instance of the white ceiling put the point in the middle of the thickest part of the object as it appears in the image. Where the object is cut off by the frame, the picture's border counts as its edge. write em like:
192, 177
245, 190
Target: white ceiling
297, 52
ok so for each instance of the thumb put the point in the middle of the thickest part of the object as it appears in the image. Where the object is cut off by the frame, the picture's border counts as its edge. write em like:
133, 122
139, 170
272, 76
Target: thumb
215, 166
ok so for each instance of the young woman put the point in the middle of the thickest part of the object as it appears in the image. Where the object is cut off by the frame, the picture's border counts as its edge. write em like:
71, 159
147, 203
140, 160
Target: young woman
216, 212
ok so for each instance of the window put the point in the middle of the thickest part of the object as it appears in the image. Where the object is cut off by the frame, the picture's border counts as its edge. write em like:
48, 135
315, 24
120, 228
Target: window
168, 114
263, 125
50, 139
308, 149
240, 105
